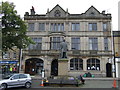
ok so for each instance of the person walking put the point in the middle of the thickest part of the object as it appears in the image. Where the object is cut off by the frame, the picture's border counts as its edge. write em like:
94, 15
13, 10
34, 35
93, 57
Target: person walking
10, 69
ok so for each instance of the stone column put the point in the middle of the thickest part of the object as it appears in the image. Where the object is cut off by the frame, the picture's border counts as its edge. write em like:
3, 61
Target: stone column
63, 67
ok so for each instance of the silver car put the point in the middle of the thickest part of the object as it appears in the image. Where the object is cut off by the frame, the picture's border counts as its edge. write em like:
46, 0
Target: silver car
16, 80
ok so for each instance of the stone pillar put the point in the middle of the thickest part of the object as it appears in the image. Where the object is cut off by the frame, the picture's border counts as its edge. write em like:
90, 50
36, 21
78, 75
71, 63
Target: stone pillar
63, 67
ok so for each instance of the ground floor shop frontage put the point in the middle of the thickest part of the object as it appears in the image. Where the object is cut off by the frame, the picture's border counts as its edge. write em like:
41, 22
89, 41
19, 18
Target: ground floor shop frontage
98, 66
9, 66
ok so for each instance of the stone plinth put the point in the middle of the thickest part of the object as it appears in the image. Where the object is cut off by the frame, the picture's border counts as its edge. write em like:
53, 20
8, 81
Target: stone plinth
63, 67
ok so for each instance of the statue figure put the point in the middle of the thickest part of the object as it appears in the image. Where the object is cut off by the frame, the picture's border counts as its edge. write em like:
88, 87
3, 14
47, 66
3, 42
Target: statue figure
63, 49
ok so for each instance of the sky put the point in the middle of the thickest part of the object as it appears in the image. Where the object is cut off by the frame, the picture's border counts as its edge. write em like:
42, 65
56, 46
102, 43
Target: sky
74, 7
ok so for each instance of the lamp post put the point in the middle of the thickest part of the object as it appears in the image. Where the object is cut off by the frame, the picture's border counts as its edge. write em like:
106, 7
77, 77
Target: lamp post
20, 59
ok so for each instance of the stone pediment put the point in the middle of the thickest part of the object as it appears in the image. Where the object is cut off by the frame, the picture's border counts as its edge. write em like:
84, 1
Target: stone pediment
57, 11
92, 11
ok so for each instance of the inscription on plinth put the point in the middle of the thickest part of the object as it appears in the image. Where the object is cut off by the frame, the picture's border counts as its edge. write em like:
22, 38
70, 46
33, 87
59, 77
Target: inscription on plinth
63, 67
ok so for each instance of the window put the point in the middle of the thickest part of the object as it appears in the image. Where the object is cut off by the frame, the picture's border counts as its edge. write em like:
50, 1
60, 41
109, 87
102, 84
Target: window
23, 76
105, 28
31, 27
41, 26
92, 27
14, 55
57, 27
6, 55
75, 26
93, 43
37, 45
76, 64
93, 64
105, 43
55, 42
15, 77
75, 43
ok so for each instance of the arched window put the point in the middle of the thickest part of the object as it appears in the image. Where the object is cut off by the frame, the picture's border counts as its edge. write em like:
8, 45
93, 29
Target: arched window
93, 64
76, 64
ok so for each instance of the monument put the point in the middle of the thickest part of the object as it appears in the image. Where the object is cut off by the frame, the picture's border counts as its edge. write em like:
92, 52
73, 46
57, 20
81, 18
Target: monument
63, 60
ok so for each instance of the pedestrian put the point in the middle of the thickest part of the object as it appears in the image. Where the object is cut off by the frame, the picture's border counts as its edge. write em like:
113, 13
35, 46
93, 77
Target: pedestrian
82, 80
10, 69
14, 69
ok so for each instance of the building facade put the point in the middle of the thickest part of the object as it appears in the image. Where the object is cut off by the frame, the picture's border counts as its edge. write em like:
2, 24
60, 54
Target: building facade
88, 36
116, 43
10, 59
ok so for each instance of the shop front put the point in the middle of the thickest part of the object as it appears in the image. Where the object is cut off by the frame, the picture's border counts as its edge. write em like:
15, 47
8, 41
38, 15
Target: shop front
9, 66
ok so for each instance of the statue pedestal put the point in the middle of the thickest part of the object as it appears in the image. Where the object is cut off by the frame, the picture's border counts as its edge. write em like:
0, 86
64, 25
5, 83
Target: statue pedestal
63, 67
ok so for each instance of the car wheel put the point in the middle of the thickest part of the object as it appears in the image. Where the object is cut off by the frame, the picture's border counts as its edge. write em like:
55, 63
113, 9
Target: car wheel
28, 85
3, 86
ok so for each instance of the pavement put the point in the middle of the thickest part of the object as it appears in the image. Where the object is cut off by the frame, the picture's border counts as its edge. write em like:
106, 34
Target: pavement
102, 82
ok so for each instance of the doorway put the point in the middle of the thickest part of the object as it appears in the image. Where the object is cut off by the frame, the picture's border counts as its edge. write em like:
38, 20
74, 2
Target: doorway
54, 67
33, 66
108, 70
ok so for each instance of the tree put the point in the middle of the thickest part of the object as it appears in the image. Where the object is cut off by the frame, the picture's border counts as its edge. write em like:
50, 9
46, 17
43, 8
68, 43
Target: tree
13, 28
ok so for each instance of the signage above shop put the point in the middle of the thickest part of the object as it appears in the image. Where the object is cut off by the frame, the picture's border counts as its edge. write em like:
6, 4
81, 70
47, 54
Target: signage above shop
8, 62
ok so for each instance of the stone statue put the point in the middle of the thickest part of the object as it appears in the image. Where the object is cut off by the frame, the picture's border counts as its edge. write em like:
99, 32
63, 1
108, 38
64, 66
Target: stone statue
63, 49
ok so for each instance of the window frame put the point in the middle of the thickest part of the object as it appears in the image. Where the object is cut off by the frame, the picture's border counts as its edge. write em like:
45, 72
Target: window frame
105, 26
56, 27
41, 26
75, 26
55, 43
106, 43
76, 64
93, 62
93, 43
31, 28
37, 45
92, 26
75, 45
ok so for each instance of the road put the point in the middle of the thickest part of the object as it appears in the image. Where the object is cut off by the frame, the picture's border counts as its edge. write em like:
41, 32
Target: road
91, 84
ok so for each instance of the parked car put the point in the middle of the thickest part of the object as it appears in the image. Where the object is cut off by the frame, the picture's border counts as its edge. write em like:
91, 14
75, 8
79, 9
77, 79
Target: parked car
16, 80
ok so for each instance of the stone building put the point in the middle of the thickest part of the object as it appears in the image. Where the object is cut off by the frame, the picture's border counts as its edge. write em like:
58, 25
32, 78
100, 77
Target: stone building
116, 44
88, 36
9, 59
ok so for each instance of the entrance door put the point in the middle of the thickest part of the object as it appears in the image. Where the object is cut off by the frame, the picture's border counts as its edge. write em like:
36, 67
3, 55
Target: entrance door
108, 70
54, 67
33, 66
